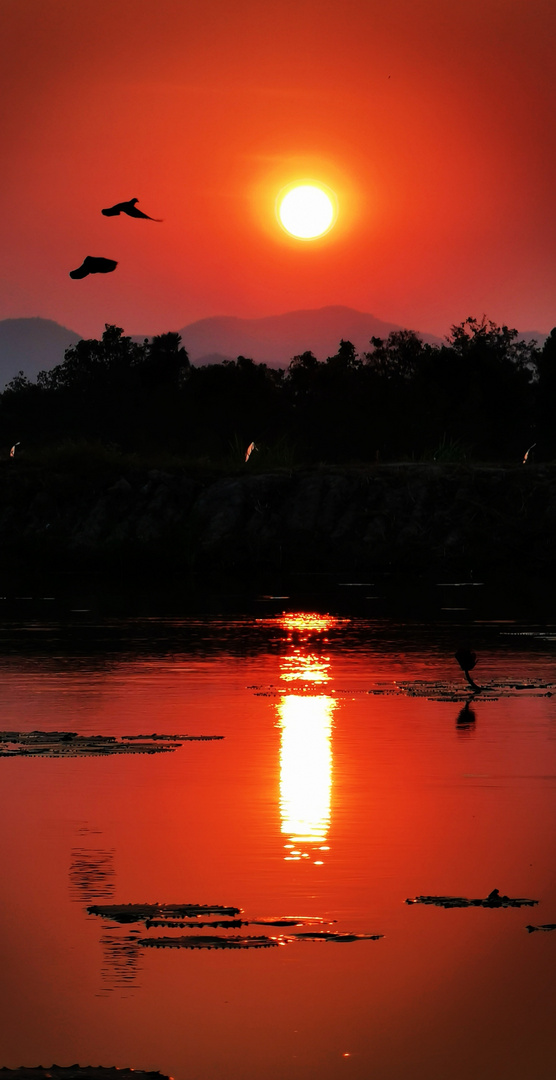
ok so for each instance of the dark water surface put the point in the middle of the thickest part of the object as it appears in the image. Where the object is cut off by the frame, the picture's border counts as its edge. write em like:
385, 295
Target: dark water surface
355, 772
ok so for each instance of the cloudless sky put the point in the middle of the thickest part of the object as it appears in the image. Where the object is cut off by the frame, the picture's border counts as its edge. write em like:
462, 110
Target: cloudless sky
433, 120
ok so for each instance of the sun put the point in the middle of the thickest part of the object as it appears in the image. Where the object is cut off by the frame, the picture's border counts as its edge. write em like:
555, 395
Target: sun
306, 209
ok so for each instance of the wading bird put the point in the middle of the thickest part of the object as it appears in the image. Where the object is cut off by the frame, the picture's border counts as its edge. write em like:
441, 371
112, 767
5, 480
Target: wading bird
467, 659
93, 264
127, 208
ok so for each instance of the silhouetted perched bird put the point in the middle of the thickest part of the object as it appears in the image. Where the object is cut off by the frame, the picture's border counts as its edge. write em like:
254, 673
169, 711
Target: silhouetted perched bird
127, 208
467, 659
93, 264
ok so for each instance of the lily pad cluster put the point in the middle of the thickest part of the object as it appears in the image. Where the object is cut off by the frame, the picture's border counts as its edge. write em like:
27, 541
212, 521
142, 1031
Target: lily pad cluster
493, 900
194, 916
70, 744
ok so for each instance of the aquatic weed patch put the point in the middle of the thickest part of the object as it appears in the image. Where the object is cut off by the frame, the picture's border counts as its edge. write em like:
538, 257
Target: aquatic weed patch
493, 900
70, 744
79, 1072
131, 913
193, 916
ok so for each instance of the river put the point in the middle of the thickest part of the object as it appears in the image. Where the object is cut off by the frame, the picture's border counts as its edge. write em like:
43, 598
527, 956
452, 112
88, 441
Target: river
354, 770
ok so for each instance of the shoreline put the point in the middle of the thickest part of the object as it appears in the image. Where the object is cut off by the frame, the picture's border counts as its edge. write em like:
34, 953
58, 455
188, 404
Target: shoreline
384, 518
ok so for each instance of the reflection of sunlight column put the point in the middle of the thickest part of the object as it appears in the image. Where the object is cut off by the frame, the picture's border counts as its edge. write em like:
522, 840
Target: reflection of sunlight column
306, 773
306, 744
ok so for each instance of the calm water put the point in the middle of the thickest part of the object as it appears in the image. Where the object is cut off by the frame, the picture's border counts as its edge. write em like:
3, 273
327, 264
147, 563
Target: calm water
349, 779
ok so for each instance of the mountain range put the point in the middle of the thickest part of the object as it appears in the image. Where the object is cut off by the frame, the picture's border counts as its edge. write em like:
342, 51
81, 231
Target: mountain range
32, 345
275, 339
35, 344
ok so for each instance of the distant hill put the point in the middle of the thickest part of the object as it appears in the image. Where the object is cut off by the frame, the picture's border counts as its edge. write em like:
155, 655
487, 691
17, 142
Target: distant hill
534, 335
32, 345
275, 339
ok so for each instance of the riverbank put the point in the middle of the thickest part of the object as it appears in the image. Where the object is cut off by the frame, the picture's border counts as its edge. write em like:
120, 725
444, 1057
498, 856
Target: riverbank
391, 517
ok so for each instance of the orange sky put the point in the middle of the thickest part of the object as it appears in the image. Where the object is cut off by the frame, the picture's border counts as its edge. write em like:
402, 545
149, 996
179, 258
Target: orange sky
432, 120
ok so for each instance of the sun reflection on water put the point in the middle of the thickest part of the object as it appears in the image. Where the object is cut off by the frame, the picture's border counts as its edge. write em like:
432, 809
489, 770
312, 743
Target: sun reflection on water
305, 772
306, 721
300, 667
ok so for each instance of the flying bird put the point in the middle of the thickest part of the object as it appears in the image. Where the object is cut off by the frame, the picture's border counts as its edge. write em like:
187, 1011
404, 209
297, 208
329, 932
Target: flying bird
12, 451
467, 659
93, 264
127, 208
527, 452
249, 450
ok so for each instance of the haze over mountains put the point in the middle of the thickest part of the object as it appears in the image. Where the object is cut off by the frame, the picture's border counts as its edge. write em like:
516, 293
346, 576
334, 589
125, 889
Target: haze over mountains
35, 344
32, 345
276, 339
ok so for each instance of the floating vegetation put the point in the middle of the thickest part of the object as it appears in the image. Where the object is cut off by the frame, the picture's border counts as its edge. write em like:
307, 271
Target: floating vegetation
331, 935
492, 691
180, 924
130, 913
441, 690
79, 1072
92, 873
70, 744
546, 927
493, 900
172, 738
226, 924
203, 941
193, 917
286, 922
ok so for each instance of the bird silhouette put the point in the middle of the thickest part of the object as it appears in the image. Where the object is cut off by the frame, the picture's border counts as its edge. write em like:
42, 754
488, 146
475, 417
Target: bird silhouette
467, 659
466, 717
128, 208
93, 264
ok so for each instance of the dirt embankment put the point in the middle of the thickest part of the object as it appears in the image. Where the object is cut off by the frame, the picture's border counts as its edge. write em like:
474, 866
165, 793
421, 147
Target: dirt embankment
395, 517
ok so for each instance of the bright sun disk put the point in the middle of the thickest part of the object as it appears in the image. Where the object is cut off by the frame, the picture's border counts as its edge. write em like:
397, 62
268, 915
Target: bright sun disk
306, 210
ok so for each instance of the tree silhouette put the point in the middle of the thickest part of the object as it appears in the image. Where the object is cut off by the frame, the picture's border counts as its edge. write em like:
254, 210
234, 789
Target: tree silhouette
484, 389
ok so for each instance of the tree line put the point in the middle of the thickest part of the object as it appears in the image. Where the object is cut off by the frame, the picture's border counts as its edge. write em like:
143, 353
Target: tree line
482, 395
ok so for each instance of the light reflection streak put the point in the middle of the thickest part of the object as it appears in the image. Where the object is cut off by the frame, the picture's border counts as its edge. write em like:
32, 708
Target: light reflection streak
306, 721
300, 668
305, 772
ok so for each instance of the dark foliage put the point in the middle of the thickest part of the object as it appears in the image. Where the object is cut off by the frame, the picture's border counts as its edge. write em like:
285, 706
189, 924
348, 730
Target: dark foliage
482, 395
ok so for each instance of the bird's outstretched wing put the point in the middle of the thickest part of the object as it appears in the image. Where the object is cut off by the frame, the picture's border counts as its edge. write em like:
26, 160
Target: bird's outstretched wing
128, 208
93, 264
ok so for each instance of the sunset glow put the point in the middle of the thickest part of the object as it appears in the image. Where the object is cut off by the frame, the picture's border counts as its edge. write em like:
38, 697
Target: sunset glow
208, 112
